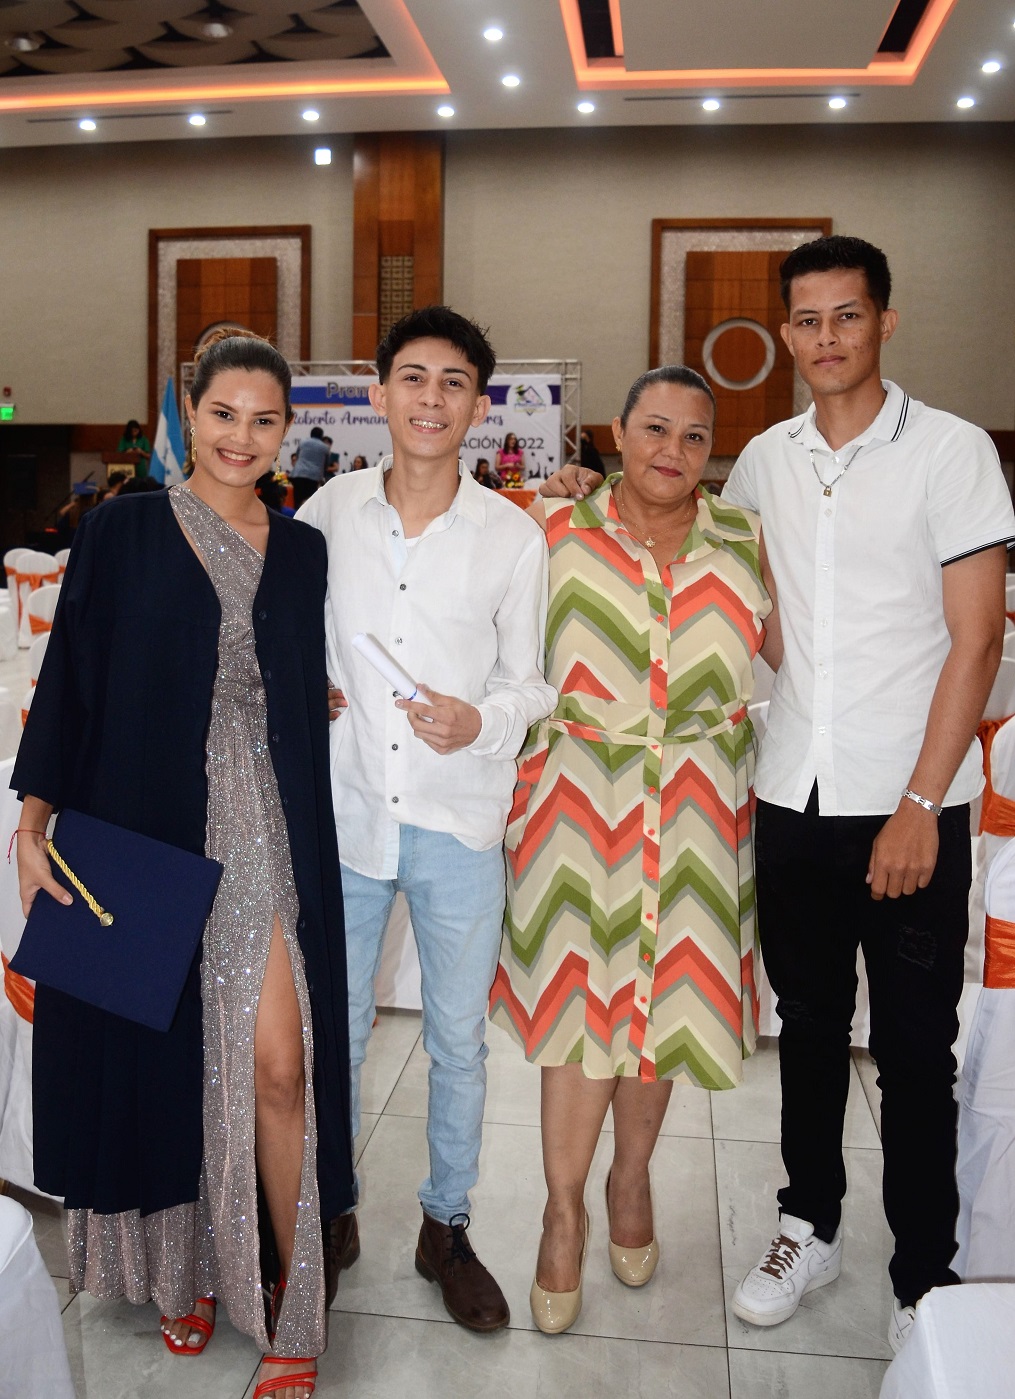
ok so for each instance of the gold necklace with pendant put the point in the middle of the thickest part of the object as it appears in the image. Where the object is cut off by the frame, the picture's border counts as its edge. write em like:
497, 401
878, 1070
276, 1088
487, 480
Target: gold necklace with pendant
648, 541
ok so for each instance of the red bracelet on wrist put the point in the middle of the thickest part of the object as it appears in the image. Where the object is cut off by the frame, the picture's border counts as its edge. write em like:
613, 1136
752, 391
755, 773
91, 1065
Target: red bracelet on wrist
22, 831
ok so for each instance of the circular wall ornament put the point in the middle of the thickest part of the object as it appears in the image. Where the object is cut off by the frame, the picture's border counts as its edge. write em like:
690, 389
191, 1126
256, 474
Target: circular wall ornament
743, 324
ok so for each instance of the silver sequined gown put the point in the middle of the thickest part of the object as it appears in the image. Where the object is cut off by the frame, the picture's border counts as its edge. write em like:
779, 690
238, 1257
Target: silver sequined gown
212, 1246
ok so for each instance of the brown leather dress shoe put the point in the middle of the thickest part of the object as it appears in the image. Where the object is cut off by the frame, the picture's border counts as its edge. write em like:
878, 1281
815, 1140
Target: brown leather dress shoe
445, 1256
341, 1249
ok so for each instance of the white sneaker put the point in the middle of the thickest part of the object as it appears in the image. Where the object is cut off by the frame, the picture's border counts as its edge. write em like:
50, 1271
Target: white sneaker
796, 1262
900, 1325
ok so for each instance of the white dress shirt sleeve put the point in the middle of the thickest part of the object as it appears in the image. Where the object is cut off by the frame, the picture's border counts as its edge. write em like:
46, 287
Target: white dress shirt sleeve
741, 488
969, 506
517, 695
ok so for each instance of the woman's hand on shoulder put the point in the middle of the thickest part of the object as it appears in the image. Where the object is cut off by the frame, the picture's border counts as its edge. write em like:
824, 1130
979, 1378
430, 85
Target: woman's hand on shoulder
571, 482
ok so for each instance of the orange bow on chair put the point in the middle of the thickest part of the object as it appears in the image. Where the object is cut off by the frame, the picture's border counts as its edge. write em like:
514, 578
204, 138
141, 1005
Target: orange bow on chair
20, 992
997, 813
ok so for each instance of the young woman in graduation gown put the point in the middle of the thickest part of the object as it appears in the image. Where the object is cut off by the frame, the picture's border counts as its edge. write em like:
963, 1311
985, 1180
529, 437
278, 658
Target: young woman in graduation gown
184, 696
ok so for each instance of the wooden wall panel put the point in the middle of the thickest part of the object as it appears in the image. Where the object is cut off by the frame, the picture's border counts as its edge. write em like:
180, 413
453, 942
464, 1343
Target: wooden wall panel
398, 184
243, 290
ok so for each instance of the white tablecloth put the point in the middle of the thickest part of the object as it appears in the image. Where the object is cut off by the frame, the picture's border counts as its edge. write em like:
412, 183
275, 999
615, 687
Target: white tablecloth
33, 1355
962, 1346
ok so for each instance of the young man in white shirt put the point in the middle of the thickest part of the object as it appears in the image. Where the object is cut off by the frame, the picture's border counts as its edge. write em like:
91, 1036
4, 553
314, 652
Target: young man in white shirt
885, 523
451, 580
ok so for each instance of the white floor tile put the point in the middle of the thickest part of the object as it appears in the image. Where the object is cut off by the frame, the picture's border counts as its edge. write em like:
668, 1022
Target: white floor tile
764, 1374
868, 1073
391, 1043
376, 1357
849, 1317
117, 1352
751, 1112
367, 1122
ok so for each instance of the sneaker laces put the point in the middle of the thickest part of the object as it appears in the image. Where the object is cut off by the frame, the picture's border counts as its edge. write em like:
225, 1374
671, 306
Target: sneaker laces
781, 1257
461, 1249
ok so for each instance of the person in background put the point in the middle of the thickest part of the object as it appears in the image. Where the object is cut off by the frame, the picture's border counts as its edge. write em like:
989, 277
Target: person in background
359, 463
590, 457
485, 476
628, 957
422, 787
114, 483
306, 474
511, 461
270, 490
331, 465
138, 485
84, 497
134, 440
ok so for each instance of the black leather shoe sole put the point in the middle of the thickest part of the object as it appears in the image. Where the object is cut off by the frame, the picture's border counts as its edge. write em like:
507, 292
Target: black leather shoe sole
481, 1327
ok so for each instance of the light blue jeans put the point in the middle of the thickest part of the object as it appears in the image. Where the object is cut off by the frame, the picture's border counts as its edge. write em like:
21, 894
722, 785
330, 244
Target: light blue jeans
456, 902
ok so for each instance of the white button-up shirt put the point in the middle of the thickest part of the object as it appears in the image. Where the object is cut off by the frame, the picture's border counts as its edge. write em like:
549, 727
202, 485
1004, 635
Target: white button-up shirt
463, 609
858, 578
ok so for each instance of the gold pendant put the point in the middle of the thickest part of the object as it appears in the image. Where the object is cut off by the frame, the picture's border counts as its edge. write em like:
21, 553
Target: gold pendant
827, 490
650, 543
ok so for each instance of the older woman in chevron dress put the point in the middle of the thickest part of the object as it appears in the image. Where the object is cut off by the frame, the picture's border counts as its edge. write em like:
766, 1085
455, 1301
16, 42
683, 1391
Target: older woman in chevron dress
628, 960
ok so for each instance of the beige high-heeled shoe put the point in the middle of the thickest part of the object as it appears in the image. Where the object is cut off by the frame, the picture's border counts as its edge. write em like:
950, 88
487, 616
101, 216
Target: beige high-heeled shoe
633, 1266
554, 1312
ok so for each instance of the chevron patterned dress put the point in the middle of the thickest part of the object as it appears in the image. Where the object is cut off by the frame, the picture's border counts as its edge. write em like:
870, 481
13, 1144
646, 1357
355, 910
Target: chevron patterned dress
629, 942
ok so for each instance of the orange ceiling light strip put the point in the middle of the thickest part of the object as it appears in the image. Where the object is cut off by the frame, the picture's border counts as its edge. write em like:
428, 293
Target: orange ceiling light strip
217, 92
610, 73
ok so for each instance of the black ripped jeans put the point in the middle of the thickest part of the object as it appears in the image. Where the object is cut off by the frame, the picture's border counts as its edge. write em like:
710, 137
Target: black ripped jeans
814, 909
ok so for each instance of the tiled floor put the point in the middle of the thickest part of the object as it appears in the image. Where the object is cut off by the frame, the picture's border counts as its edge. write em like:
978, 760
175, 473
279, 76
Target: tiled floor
715, 1172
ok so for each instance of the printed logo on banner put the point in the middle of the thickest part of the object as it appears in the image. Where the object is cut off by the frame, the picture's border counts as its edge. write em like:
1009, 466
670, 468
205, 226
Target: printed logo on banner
527, 399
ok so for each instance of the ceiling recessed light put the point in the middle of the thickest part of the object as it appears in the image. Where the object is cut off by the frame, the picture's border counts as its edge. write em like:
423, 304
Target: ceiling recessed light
966, 102
586, 107
711, 104
445, 111
322, 156
493, 35
196, 119
511, 80
311, 115
24, 43
86, 124
837, 103
991, 66
216, 29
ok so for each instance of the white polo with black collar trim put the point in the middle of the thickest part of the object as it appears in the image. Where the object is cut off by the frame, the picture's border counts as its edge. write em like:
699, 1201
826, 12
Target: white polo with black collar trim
858, 578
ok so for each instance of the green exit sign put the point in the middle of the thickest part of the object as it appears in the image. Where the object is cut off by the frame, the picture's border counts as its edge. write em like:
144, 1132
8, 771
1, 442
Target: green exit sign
6, 412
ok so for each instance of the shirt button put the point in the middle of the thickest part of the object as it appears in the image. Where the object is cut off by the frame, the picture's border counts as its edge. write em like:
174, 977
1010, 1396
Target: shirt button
646, 956
398, 641
828, 512
285, 801
643, 1000
394, 799
649, 917
821, 730
267, 675
401, 587
263, 615
651, 791
394, 748
275, 738
651, 831
303, 923
395, 533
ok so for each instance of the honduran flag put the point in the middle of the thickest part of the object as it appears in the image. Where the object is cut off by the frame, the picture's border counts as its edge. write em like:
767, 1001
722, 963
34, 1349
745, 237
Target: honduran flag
168, 451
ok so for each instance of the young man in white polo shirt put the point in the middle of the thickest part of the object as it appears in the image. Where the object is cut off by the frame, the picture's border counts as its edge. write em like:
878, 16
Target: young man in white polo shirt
451, 580
886, 523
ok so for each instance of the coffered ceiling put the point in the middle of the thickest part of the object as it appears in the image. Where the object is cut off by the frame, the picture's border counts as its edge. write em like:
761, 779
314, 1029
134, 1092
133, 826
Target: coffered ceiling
139, 69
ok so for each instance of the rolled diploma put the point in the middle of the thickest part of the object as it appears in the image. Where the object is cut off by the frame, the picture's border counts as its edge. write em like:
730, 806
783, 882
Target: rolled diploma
372, 650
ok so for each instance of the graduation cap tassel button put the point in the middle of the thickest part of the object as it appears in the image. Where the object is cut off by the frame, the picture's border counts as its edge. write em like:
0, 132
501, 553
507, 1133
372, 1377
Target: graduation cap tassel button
106, 919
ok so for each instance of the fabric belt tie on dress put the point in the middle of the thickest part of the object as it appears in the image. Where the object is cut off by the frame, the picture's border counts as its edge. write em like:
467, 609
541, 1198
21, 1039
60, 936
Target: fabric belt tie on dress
595, 735
999, 955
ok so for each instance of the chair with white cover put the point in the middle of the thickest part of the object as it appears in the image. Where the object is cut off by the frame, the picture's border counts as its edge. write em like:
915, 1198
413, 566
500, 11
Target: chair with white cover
10, 569
32, 571
31, 1333
62, 556
1001, 700
41, 609
986, 1157
962, 1346
8, 625
36, 655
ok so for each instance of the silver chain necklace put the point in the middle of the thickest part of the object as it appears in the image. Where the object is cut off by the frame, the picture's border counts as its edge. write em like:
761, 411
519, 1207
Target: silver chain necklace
829, 484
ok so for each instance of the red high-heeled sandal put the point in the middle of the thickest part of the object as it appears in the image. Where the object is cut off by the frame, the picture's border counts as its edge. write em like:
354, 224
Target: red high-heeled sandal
272, 1386
196, 1323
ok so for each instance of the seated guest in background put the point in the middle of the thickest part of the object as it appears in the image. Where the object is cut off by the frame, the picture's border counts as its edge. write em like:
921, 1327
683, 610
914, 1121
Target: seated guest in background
511, 461
657, 605
359, 463
306, 474
161, 1143
140, 485
84, 497
886, 523
270, 490
590, 457
485, 476
451, 580
114, 483
134, 440
331, 465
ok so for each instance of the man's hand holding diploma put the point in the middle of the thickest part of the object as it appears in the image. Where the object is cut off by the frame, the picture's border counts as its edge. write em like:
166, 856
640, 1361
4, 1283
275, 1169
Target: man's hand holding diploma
445, 724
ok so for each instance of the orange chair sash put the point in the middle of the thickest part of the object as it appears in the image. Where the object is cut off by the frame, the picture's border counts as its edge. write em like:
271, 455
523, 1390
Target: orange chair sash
20, 992
39, 625
997, 813
999, 955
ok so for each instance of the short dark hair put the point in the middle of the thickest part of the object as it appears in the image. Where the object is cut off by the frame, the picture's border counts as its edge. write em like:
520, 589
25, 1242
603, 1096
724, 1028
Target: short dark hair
666, 374
439, 323
317, 432
839, 253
